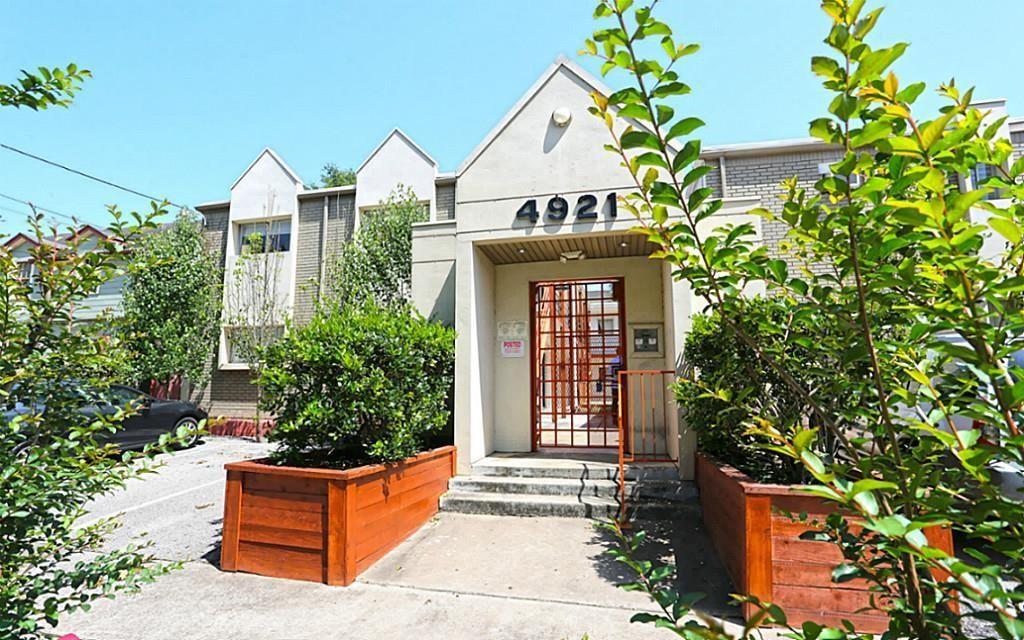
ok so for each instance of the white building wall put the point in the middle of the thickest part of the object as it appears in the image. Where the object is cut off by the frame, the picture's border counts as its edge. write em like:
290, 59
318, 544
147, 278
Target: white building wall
433, 271
474, 356
397, 161
267, 190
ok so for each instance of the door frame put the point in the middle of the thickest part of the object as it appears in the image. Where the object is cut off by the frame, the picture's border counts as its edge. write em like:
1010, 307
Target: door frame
621, 298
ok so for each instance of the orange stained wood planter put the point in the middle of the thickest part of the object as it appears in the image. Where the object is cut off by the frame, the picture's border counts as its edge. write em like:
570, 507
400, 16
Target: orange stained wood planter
760, 546
326, 525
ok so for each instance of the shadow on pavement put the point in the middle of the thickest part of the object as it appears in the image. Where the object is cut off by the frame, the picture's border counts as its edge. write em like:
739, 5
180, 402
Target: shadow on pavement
212, 555
681, 541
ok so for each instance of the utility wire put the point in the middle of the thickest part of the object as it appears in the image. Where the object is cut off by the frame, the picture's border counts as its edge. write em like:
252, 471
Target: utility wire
86, 175
30, 204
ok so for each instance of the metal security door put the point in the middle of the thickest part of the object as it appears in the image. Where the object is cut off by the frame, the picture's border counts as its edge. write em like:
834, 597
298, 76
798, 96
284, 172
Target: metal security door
578, 349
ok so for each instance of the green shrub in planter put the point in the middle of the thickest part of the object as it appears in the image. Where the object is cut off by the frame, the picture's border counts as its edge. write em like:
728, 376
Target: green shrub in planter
720, 364
358, 384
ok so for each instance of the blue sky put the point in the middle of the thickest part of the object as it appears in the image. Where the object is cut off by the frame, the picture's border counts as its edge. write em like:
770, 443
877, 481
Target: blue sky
185, 94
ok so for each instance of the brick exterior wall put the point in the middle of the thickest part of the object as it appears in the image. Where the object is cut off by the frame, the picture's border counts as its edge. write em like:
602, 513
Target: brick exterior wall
341, 224
216, 231
714, 178
307, 244
762, 176
231, 394
228, 393
445, 201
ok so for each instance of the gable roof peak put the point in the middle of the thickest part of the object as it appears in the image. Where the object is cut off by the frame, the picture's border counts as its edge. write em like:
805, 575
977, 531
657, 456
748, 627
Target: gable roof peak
404, 136
561, 61
273, 154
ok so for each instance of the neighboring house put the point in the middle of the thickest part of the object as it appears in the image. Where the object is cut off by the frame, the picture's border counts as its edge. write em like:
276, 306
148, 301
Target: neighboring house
105, 301
526, 256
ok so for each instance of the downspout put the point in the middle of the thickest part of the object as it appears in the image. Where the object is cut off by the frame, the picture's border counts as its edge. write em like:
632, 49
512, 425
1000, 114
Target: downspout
323, 247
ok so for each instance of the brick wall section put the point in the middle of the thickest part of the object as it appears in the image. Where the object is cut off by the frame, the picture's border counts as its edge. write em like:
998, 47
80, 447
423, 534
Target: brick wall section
308, 245
714, 178
216, 231
341, 222
762, 176
445, 201
229, 393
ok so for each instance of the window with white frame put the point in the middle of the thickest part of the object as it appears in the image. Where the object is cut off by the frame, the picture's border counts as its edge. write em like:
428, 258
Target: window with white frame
980, 173
27, 271
241, 341
367, 212
265, 236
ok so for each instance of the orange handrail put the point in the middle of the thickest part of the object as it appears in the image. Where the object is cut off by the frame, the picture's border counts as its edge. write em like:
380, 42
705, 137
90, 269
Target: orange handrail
647, 449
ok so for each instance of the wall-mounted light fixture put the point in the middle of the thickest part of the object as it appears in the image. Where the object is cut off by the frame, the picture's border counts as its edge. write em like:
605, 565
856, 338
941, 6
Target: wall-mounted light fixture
561, 116
566, 256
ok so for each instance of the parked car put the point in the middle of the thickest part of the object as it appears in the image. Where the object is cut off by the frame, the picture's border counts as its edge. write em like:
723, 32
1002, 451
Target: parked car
153, 417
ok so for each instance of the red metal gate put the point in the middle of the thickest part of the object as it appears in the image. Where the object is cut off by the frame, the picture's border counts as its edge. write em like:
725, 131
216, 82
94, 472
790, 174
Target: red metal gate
578, 349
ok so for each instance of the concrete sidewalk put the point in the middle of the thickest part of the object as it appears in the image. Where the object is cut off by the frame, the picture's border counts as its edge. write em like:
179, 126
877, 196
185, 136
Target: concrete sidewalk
460, 576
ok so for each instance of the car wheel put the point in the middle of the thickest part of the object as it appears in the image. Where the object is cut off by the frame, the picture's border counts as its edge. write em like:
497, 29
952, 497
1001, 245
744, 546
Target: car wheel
192, 425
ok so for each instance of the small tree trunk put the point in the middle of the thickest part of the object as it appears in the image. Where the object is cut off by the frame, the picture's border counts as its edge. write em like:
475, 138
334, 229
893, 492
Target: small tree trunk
256, 432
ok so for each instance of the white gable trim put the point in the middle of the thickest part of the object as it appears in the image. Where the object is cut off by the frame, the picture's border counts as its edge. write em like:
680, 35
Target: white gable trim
560, 62
412, 143
284, 165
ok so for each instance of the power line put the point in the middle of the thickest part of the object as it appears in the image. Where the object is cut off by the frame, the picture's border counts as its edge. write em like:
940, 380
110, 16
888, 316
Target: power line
89, 176
30, 204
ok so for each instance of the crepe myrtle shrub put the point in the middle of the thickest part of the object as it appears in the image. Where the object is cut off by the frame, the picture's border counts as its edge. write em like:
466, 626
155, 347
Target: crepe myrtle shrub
54, 458
377, 263
920, 271
171, 304
359, 383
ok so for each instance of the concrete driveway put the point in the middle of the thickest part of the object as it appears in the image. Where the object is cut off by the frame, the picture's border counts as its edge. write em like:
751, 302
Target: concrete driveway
458, 577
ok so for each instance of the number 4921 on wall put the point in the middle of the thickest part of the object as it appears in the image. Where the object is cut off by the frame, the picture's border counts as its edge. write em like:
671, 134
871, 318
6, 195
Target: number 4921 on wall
558, 208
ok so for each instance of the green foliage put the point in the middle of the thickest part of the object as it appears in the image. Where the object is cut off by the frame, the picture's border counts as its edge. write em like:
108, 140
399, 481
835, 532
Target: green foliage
377, 264
332, 176
172, 303
53, 459
360, 383
922, 316
721, 365
677, 611
48, 87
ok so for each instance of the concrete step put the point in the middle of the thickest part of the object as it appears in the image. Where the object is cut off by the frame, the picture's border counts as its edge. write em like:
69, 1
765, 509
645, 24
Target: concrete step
672, 490
570, 469
532, 505
535, 486
528, 505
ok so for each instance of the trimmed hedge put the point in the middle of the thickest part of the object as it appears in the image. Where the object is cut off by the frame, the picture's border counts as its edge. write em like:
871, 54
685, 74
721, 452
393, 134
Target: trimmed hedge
358, 384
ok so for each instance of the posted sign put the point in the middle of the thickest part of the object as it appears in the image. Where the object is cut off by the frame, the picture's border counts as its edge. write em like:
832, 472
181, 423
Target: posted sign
513, 348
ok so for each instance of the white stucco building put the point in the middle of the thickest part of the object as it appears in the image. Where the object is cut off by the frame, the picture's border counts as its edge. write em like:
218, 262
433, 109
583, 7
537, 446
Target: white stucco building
527, 257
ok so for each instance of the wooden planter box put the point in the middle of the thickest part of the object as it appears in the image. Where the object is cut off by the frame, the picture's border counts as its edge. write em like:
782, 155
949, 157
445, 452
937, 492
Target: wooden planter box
765, 557
325, 525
